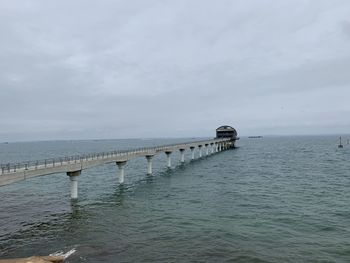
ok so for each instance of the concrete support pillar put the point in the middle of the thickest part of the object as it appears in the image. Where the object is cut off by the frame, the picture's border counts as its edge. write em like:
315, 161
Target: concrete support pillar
206, 149
121, 165
149, 164
212, 148
200, 150
192, 152
73, 176
220, 147
182, 152
168, 155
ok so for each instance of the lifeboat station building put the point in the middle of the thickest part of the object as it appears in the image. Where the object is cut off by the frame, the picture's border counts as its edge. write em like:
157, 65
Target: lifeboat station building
226, 132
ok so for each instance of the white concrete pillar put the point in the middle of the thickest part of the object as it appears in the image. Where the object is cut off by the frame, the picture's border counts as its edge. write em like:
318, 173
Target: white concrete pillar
192, 152
206, 149
121, 165
168, 155
212, 148
182, 152
200, 150
73, 176
149, 164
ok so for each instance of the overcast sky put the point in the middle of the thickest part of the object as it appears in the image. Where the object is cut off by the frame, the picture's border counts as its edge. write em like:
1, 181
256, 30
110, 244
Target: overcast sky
156, 68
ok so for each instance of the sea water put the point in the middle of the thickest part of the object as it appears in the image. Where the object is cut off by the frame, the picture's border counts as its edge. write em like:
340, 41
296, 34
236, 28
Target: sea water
275, 199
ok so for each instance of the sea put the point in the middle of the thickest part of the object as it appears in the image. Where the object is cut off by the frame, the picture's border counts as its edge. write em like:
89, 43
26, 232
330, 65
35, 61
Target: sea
273, 199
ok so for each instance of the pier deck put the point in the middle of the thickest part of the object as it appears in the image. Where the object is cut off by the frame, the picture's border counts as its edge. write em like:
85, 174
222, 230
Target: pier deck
73, 165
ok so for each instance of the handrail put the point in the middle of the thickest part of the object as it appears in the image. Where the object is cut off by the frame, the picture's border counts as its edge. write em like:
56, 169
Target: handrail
59, 161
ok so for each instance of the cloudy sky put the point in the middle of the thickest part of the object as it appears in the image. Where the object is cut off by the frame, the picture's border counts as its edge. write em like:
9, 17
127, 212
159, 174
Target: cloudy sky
157, 68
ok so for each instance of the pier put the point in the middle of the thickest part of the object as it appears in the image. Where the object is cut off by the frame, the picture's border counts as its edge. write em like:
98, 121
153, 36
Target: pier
74, 165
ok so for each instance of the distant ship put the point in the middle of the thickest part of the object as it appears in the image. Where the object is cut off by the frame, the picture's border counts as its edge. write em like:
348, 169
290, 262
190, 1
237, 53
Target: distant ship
254, 137
340, 145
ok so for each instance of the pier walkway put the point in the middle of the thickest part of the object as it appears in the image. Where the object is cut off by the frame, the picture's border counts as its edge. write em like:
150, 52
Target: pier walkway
73, 165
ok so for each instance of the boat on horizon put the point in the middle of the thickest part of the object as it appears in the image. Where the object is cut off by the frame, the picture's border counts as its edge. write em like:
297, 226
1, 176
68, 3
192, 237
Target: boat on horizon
340, 145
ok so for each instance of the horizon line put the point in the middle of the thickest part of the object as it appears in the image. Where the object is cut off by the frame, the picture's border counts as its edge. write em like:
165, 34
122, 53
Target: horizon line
155, 138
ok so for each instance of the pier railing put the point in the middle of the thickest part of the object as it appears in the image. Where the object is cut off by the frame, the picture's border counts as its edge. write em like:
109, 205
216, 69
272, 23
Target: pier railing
59, 161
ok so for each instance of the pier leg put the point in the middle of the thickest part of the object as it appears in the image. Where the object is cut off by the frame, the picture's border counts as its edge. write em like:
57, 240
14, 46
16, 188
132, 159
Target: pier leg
149, 164
212, 148
73, 176
200, 150
182, 152
121, 165
192, 152
206, 150
168, 155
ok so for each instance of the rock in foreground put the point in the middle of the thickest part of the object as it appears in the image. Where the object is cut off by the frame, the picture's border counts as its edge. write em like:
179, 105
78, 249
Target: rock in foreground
35, 259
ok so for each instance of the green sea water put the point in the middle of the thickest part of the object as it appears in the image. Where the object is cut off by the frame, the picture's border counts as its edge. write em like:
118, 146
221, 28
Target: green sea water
275, 199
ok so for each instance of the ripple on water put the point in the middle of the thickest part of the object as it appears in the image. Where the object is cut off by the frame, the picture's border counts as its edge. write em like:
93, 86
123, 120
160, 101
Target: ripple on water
272, 200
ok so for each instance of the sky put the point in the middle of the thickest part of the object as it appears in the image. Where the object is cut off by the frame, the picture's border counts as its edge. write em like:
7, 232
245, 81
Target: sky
88, 69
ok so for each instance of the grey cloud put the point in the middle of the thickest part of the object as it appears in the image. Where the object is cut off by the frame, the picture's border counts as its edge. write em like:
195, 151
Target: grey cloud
87, 69
346, 27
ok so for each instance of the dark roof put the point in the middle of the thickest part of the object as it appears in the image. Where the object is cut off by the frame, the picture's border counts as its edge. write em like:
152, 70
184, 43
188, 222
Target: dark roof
225, 128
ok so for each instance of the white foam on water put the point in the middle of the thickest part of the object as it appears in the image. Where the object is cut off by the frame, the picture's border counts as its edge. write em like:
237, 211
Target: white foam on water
65, 255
